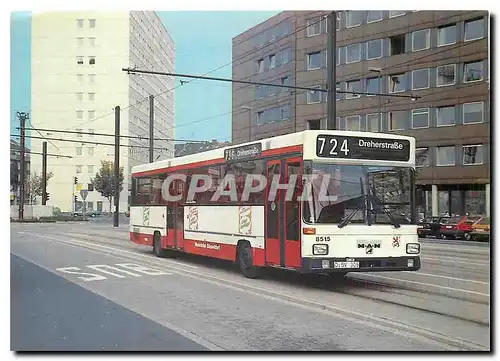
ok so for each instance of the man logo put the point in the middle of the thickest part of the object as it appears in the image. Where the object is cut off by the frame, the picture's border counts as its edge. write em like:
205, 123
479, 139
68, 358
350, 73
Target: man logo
369, 247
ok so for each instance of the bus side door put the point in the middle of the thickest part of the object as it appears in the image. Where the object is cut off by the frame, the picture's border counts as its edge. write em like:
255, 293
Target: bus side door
291, 223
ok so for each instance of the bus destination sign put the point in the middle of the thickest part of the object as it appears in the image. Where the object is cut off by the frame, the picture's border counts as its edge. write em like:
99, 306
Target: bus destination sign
243, 152
347, 147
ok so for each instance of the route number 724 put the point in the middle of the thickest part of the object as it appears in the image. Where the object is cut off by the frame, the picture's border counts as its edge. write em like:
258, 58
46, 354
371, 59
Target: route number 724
333, 144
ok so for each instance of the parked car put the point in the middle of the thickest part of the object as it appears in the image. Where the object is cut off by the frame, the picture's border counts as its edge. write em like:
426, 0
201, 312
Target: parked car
430, 227
481, 230
458, 227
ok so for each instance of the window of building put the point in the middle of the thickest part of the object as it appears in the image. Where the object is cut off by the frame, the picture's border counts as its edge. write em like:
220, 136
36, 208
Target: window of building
397, 120
314, 124
445, 156
353, 18
353, 122
420, 79
90, 151
90, 169
473, 71
78, 168
91, 23
421, 39
374, 49
79, 133
79, 23
79, 60
373, 122
79, 42
259, 92
396, 13
446, 75
79, 97
447, 35
285, 56
90, 188
285, 81
91, 96
373, 16
91, 78
474, 29
397, 83
473, 154
314, 61
422, 157
91, 114
313, 27
272, 61
420, 118
353, 86
91, 131
92, 60
79, 151
353, 53
260, 65
373, 85
397, 44
92, 41
473, 113
313, 96
445, 116
338, 94
79, 114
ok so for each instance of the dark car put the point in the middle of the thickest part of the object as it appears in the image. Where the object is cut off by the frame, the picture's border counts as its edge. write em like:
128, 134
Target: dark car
458, 227
430, 227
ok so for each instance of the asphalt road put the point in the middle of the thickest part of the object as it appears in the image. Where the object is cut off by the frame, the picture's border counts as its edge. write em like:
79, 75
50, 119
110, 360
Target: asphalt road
444, 306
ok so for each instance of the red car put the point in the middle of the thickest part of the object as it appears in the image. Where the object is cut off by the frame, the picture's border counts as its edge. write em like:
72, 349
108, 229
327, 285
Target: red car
457, 227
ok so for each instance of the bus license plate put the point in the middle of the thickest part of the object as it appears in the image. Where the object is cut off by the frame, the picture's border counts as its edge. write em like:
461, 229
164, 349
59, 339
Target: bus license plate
353, 264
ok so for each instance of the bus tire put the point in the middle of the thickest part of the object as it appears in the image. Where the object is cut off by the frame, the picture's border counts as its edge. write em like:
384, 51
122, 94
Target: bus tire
158, 252
245, 261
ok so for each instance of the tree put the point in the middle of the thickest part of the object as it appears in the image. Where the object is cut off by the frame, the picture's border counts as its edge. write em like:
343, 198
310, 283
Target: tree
34, 185
104, 181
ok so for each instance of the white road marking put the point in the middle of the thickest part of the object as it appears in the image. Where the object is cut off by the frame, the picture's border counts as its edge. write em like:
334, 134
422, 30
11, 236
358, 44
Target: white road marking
449, 277
425, 284
454, 260
104, 268
71, 270
143, 269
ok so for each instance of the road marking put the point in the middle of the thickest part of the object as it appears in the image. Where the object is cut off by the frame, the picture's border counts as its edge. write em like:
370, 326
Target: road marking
71, 270
143, 269
453, 260
422, 283
452, 278
105, 269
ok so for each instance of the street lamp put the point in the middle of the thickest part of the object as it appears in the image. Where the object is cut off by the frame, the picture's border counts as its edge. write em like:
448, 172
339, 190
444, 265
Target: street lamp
379, 71
249, 121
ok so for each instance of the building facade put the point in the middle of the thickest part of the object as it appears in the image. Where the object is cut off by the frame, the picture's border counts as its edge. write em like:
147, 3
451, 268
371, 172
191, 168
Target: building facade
77, 81
440, 56
15, 170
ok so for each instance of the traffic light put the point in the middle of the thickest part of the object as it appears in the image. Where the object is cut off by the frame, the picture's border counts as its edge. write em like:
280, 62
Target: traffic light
76, 180
47, 196
74, 199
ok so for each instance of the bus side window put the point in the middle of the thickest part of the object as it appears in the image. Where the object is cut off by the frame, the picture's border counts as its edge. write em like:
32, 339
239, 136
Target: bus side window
292, 206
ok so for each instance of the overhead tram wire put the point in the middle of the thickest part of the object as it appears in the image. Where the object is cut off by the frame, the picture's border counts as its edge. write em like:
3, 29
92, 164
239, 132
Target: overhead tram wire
48, 154
121, 136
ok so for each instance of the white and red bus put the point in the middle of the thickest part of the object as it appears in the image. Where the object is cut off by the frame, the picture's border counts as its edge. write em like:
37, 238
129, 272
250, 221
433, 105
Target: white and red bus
320, 201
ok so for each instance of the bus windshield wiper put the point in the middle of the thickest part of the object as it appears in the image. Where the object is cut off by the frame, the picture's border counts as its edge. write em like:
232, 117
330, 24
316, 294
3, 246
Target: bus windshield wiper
362, 204
375, 199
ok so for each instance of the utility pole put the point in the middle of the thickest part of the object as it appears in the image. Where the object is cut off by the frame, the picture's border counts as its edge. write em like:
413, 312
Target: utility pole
44, 173
332, 71
117, 165
22, 119
151, 126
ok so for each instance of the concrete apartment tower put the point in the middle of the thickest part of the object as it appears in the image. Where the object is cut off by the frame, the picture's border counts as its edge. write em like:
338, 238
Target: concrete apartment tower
77, 80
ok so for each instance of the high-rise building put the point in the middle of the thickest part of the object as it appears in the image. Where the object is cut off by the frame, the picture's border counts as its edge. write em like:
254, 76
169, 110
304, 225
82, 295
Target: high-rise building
77, 81
440, 56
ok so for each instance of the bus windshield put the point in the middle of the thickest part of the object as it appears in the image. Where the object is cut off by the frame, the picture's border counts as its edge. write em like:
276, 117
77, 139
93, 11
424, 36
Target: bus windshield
344, 194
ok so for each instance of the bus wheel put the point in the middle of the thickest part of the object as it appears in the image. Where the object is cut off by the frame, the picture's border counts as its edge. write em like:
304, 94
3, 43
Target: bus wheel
245, 261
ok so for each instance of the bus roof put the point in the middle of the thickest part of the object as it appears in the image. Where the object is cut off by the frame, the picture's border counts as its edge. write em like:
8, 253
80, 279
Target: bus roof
283, 141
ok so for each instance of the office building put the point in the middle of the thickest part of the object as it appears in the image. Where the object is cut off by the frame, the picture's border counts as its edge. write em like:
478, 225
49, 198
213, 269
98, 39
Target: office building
440, 56
77, 81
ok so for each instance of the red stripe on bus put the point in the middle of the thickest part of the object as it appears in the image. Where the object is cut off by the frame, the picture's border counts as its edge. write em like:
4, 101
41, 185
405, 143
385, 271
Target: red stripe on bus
202, 248
265, 153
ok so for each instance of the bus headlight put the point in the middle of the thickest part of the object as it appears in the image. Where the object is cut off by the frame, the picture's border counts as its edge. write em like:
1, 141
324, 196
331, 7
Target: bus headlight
413, 248
319, 249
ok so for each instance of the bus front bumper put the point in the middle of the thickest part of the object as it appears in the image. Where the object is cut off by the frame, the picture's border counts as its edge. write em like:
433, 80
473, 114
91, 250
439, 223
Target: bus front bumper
378, 264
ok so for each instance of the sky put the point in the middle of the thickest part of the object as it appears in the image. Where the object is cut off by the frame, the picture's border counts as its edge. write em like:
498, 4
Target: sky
203, 41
